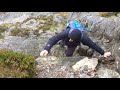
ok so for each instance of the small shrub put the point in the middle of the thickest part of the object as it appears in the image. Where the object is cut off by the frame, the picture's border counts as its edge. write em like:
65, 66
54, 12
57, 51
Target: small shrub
16, 65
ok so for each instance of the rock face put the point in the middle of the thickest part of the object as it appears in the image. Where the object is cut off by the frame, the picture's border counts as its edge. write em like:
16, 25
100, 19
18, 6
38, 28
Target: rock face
65, 67
107, 73
105, 31
61, 67
55, 67
28, 32
13, 17
27, 45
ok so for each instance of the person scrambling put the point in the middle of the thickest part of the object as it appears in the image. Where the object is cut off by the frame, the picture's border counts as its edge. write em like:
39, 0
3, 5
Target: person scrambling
72, 36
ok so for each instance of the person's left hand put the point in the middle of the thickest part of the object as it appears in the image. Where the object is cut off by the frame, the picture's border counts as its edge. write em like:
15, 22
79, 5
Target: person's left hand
107, 54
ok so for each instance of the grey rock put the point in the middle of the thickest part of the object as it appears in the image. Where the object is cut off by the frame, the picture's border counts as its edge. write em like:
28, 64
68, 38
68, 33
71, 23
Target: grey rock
26, 45
107, 73
84, 76
33, 24
86, 64
105, 32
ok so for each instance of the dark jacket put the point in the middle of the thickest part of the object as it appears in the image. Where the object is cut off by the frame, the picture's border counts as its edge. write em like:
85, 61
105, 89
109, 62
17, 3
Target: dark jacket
64, 36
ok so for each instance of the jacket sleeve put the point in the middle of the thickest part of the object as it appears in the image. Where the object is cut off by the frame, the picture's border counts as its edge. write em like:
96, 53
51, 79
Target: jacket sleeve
54, 39
87, 41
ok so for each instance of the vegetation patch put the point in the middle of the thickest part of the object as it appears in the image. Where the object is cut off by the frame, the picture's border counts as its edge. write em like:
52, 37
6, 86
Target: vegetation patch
108, 14
7, 25
20, 32
2, 30
16, 65
1, 36
45, 23
48, 22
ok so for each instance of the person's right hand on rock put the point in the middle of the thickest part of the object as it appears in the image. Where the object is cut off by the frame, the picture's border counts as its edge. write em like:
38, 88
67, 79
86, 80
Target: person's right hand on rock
44, 53
107, 54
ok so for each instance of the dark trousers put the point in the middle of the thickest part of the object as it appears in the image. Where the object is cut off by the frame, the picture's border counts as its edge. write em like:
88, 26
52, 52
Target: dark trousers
69, 51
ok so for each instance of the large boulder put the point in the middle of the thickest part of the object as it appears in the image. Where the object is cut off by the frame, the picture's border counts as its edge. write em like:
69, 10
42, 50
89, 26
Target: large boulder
89, 64
86, 67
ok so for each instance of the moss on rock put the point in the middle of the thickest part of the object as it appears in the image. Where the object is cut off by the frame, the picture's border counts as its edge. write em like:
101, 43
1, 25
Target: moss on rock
2, 30
20, 32
44, 23
1, 36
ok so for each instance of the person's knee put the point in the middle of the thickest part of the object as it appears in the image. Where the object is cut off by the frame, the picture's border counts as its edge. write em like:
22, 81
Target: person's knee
69, 51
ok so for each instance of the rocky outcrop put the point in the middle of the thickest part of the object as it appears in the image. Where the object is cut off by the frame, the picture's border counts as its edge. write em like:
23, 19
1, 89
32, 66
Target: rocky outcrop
31, 46
107, 73
55, 67
28, 32
105, 31
72, 67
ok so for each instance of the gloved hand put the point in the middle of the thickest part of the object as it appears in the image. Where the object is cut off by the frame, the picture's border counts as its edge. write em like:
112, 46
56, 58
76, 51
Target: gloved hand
44, 53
